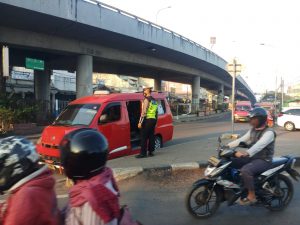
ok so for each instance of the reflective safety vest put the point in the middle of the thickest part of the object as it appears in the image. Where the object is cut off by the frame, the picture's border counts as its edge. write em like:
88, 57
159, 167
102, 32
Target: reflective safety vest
152, 110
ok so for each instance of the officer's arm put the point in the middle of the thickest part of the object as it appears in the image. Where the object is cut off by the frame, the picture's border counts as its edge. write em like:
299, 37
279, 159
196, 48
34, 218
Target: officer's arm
236, 142
266, 139
144, 110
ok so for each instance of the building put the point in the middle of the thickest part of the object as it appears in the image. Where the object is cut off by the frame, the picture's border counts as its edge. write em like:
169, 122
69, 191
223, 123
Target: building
294, 91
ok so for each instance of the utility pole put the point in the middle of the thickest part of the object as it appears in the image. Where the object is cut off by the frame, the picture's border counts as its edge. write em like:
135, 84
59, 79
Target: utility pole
282, 90
4, 68
275, 101
233, 69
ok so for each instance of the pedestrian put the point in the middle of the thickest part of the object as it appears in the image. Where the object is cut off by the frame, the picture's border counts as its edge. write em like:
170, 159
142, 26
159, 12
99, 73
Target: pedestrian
30, 186
94, 198
147, 123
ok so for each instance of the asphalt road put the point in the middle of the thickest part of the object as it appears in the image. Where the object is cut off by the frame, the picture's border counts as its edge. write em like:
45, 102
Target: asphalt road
197, 141
160, 201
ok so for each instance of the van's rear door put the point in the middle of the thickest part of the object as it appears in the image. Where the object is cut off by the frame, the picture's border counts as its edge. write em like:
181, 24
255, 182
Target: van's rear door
114, 124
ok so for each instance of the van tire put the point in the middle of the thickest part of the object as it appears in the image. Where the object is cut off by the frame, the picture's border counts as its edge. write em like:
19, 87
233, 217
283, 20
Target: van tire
157, 142
289, 126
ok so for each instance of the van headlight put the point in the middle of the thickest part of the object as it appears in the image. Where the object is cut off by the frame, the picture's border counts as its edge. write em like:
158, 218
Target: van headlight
209, 170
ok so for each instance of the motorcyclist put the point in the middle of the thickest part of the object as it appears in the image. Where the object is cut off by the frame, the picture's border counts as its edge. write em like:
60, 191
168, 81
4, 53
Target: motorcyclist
30, 186
257, 159
94, 198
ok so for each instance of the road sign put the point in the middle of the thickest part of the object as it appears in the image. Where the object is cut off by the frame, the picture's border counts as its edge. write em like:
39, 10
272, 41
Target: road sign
231, 68
35, 64
5, 61
213, 40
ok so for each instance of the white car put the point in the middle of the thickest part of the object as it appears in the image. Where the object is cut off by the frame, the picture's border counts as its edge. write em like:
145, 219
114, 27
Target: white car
289, 119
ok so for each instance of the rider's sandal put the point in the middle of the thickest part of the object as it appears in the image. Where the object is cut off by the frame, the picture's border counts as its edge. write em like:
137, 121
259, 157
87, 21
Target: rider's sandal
246, 201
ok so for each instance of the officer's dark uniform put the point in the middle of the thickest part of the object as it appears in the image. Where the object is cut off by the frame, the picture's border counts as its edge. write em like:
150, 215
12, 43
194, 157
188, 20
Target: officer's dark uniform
148, 120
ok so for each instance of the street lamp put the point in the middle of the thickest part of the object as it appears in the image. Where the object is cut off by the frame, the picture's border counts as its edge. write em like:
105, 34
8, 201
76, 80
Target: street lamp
168, 7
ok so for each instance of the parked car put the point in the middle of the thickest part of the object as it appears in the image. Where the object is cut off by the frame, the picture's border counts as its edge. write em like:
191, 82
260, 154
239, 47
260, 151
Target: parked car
115, 115
289, 119
242, 110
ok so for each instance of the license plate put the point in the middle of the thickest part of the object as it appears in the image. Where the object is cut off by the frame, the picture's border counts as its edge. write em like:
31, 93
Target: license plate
49, 161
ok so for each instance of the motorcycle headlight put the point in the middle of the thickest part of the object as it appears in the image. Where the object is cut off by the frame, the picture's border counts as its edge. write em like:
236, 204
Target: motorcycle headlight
209, 170
293, 164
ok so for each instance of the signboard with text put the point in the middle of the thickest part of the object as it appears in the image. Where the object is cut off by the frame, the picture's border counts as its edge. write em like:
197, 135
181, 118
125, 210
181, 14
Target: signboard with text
35, 64
19, 73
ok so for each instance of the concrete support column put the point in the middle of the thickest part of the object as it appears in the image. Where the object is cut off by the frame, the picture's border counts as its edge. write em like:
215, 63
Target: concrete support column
221, 97
42, 93
157, 84
84, 76
195, 94
53, 93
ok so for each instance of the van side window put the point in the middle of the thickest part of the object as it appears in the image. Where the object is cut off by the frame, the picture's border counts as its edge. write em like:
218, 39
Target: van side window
111, 113
161, 107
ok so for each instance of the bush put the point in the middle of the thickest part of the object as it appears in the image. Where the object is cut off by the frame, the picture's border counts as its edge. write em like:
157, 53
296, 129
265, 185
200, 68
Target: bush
6, 119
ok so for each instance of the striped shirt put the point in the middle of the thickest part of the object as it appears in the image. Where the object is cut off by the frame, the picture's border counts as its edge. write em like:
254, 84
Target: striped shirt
85, 215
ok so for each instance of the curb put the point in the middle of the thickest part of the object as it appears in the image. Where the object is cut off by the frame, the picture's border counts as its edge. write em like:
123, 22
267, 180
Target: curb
198, 118
131, 172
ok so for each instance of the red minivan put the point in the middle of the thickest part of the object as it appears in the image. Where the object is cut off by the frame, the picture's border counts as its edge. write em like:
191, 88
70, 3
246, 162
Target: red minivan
241, 111
115, 115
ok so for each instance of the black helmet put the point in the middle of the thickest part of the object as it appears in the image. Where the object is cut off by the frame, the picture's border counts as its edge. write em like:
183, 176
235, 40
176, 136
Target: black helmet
83, 153
259, 113
18, 159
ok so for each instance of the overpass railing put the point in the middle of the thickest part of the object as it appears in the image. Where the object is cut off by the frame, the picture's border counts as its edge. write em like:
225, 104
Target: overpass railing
112, 8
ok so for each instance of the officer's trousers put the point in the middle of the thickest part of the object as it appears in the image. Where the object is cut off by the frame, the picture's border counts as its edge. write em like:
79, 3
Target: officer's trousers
147, 136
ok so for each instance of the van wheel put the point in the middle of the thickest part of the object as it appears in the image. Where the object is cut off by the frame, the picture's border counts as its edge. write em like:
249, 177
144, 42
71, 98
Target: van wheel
289, 126
158, 143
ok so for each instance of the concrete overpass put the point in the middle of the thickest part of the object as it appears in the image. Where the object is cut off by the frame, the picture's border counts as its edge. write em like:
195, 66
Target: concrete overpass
88, 36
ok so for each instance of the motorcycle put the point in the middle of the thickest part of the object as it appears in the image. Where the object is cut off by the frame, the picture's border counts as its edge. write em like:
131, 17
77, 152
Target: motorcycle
274, 190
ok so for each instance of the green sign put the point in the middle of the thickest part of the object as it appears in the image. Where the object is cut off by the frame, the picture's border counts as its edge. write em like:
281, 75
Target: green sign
34, 64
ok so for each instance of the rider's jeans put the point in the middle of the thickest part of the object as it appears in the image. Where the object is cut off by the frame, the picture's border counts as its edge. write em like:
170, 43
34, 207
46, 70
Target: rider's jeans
250, 168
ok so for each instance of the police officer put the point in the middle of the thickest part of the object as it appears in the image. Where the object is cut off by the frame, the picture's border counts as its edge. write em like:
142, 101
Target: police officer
147, 123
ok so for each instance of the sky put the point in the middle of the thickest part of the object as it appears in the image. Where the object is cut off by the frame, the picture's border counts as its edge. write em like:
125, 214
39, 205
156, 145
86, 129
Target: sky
262, 34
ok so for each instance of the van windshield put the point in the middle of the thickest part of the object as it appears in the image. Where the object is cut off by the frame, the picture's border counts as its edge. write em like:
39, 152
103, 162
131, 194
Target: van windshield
242, 108
77, 115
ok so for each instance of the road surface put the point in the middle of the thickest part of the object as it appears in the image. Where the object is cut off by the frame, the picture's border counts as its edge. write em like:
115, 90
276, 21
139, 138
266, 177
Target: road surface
160, 201
196, 141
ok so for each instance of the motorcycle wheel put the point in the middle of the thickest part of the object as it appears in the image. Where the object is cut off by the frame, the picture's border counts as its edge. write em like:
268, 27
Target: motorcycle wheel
284, 191
202, 201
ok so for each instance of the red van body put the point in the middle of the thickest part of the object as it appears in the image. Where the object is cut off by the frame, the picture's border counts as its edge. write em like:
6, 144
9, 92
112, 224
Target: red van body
115, 115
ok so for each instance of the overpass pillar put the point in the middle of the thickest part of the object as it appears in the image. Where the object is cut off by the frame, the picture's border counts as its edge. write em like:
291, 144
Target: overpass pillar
195, 94
42, 93
157, 84
221, 97
84, 76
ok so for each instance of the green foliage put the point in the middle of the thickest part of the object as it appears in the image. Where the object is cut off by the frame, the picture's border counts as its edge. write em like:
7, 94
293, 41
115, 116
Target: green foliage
6, 119
16, 110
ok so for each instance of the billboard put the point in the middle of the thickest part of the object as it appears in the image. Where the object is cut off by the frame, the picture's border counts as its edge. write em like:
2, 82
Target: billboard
21, 73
